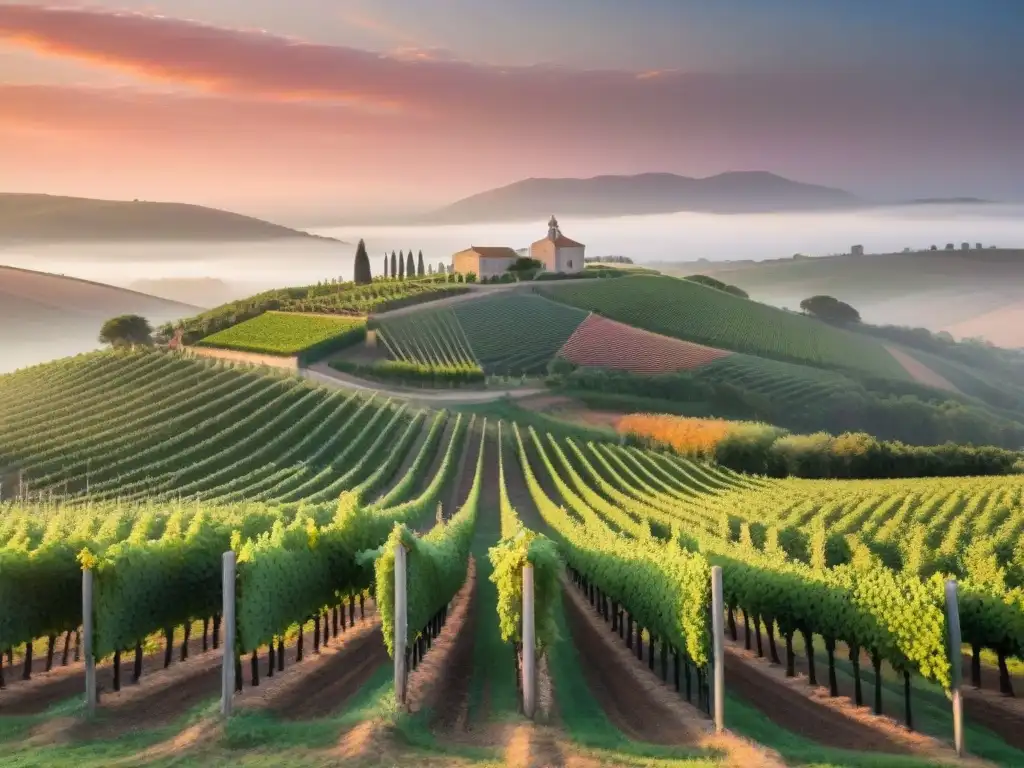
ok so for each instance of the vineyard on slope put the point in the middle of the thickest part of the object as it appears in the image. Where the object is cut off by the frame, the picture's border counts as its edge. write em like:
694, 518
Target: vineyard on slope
603, 343
284, 333
692, 312
338, 298
145, 467
516, 333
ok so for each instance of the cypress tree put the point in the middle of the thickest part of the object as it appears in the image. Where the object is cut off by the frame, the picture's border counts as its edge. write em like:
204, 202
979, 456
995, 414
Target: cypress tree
410, 265
419, 265
362, 266
385, 272
401, 265
394, 269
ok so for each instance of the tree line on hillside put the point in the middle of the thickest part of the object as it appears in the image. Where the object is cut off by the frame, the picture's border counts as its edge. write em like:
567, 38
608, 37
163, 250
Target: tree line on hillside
718, 285
764, 449
607, 260
396, 266
909, 413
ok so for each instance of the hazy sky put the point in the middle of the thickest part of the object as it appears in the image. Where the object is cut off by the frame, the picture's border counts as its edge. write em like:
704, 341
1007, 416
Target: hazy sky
312, 107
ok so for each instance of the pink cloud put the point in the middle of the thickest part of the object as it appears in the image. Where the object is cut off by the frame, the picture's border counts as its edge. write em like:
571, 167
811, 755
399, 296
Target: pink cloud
257, 107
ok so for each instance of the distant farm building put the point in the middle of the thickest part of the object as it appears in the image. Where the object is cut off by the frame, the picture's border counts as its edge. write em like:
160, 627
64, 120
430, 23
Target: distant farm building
965, 246
556, 252
484, 261
857, 250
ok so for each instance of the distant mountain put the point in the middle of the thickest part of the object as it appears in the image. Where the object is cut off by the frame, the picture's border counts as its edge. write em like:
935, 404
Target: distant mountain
738, 192
48, 218
44, 316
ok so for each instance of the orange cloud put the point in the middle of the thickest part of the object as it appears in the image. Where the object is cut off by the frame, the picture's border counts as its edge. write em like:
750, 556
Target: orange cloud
256, 101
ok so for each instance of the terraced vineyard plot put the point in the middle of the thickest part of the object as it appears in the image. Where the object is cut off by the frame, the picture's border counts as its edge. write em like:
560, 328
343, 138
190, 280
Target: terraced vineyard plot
782, 382
281, 333
429, 337
516, 333
692, 312
603, 343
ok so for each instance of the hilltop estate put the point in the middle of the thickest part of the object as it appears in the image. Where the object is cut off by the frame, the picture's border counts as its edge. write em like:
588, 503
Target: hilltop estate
556, 252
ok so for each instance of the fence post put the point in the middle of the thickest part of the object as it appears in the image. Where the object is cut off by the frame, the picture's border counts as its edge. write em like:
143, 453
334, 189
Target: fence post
718, 632
227, 685
956, 664
401, 620
529, 645
87, 642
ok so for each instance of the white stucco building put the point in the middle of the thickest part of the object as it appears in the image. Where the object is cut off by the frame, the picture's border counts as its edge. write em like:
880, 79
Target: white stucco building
556, 252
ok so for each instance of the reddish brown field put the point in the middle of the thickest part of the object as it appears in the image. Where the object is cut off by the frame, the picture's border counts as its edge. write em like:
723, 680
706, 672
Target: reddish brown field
604, 343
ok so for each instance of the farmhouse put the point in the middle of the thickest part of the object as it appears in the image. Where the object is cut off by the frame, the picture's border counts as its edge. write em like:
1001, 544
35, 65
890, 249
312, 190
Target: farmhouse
556, 252
484, 261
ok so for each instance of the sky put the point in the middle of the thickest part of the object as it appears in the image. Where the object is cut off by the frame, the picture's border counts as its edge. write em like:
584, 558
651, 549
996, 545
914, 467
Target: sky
333, 109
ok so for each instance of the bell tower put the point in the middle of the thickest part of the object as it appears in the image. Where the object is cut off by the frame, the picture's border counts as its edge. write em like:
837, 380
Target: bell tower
553, 232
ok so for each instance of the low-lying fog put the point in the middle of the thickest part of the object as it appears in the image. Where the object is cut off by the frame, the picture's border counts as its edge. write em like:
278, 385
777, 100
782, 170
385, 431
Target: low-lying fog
206, 274
249, 267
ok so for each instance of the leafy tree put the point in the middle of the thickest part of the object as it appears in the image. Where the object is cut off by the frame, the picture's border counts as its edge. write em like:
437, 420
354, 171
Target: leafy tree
440, 268
410, 265
363, 275
394, 268
126, 331
830, 309
401, 265
420, 269
524, 264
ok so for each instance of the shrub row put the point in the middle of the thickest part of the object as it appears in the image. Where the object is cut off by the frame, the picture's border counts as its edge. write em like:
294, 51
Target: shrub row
906, 418
413, 373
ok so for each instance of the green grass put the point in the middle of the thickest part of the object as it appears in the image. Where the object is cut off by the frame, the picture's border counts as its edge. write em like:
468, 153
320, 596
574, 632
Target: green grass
494, 683
516, 333
283, 333
693, 312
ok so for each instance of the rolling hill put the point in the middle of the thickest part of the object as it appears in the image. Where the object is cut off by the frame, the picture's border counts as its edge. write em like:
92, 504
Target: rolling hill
968, 293
738, 192
43, 316
50, 218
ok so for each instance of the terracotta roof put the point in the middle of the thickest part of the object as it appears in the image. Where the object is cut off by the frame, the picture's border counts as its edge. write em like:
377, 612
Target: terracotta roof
561, 242
494, 252
566, 242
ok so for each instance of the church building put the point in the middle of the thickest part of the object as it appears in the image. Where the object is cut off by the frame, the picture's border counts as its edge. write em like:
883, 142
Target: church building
556, 252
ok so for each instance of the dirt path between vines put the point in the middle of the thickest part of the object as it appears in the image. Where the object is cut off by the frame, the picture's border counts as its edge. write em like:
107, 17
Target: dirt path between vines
45, 689
276, 693
987, 708
442, 680
338, 676
638, 702
809, 711
628, 706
